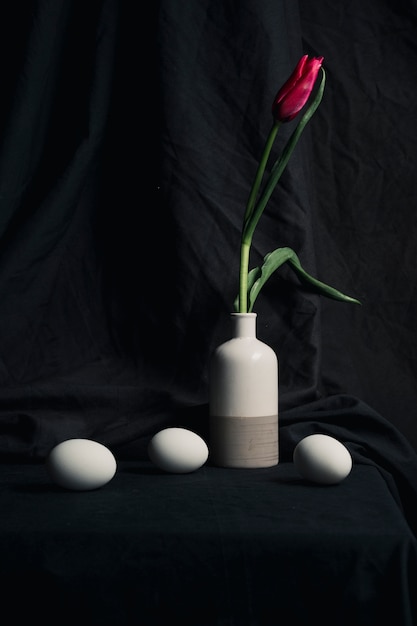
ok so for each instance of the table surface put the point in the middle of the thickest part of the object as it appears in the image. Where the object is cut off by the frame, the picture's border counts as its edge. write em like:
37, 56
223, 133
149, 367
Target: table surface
213, 547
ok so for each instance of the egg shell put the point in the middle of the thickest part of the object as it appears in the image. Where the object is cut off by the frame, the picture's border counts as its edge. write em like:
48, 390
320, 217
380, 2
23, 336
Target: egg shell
322, 459
81, 464
177, 450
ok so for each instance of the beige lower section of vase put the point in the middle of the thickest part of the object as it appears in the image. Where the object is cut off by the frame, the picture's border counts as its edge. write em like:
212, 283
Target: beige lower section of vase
244, 442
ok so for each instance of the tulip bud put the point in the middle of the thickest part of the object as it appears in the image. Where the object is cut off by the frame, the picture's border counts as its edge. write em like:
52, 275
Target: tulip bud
293, 95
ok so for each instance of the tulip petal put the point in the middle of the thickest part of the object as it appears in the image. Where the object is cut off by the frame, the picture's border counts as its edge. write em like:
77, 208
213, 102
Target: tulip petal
295, 92
293, 79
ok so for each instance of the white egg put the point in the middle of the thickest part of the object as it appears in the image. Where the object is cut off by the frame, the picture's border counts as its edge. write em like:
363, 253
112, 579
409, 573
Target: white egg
322, 459
81, 464
177, 450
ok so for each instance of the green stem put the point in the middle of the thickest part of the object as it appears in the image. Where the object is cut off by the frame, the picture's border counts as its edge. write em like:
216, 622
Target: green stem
245, 246
243, 277
261, 169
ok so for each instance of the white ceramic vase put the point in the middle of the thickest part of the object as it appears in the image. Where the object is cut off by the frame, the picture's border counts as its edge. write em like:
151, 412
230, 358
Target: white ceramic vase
243, 399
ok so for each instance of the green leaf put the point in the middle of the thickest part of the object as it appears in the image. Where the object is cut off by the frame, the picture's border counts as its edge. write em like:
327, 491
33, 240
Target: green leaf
272, 261
281, 163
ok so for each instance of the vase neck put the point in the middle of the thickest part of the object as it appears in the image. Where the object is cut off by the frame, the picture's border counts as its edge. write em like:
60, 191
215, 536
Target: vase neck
244, 324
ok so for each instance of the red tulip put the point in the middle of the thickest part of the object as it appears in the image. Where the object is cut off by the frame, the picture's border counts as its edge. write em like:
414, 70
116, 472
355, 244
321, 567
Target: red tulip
293, 95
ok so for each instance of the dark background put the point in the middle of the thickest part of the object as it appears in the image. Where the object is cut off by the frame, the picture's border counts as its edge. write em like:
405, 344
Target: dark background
124, 173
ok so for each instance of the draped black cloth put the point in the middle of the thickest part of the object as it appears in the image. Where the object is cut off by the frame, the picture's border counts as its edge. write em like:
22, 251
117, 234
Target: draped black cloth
124, 173
128, 144
258, 547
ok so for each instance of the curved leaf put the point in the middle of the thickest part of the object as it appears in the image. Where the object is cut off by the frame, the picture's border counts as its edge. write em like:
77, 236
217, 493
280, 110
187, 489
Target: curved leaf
272, 261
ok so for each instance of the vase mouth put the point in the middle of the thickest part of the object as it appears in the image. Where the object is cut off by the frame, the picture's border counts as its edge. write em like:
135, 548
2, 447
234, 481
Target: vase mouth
243, 314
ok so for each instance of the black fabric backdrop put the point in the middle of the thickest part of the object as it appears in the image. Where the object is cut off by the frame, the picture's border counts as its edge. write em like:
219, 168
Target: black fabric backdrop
125, 167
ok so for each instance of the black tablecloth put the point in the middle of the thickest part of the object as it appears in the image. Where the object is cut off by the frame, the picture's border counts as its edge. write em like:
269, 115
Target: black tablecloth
214, 547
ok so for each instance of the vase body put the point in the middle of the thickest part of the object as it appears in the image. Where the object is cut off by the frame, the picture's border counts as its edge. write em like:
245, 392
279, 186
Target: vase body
243, 399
